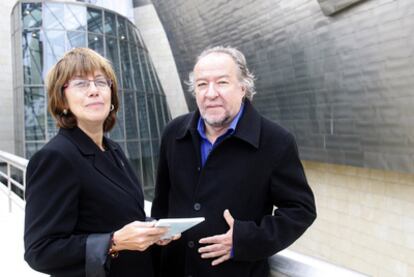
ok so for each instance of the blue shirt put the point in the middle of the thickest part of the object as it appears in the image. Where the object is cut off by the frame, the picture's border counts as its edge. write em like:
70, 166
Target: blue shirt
206, 146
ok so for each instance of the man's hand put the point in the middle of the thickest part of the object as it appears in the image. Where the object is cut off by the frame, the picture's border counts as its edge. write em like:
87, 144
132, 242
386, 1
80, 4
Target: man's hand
220, 245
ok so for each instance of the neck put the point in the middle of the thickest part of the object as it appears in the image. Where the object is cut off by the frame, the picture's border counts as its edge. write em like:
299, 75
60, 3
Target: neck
213, 132
95, 133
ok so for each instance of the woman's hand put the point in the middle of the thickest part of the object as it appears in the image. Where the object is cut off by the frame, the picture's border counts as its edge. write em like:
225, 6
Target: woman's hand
137, 235
163, 242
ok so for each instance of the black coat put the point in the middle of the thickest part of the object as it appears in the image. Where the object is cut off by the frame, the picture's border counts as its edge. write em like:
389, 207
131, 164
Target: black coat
248, 173
76, 196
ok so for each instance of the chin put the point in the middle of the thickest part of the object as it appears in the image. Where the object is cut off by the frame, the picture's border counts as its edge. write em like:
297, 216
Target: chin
215, 122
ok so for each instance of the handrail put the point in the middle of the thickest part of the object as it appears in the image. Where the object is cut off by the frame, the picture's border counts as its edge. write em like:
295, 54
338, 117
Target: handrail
10, 162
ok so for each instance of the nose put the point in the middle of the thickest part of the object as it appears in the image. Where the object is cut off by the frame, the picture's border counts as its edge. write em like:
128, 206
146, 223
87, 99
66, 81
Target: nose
92, 89
211, 91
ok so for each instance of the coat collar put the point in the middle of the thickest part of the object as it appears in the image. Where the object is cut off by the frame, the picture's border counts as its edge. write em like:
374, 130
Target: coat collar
248, 127
84, 143
118, 176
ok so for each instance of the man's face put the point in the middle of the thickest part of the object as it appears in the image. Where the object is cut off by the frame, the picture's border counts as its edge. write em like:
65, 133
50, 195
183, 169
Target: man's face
218, 91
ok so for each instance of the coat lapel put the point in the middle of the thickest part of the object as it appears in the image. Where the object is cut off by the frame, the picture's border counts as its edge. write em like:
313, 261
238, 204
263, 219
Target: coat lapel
119, 177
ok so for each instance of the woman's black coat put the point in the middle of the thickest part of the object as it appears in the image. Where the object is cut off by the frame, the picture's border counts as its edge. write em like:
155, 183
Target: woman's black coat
76, 196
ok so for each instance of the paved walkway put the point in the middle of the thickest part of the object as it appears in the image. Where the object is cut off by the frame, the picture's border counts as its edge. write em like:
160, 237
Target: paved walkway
11, 241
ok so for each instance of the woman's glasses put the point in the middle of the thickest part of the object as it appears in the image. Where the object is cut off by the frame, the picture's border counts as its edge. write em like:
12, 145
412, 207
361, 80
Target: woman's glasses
83, 85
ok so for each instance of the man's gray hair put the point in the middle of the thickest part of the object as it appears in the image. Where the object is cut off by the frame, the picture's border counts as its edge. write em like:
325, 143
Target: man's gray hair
245, 76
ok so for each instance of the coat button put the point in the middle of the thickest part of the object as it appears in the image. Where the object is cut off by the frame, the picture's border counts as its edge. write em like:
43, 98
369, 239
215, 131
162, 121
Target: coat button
190, 244
197, 206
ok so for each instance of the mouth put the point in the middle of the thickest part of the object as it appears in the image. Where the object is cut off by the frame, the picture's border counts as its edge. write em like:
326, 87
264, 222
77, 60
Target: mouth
94, 104
213, 106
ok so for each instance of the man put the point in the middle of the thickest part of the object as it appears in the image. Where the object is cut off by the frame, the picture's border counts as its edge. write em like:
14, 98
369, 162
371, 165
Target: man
229, 164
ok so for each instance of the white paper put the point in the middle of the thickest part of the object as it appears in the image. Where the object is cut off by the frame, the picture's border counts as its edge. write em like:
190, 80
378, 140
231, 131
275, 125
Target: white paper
177, 225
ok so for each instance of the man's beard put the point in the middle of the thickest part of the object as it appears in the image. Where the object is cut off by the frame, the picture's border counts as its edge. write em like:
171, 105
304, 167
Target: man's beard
217, 122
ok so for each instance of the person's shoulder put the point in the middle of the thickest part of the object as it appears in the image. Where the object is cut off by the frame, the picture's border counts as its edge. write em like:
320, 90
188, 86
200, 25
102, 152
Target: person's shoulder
181, 119
179, 123
58, 146
274, 127
59, 150
276, 132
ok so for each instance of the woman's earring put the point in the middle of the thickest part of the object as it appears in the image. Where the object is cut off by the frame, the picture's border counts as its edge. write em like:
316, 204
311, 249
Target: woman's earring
65, 111
112, 107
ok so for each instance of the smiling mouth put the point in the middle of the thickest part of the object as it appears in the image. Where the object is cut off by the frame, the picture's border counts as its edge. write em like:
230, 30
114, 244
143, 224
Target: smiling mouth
94, 104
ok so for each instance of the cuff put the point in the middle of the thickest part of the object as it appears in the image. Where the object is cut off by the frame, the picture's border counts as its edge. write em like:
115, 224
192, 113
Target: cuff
97, 246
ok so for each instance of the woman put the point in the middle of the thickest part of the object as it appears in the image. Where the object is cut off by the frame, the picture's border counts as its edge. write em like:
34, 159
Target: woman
84, 205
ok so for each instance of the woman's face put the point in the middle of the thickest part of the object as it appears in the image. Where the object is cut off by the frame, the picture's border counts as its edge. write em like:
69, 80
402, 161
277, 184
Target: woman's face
89, 99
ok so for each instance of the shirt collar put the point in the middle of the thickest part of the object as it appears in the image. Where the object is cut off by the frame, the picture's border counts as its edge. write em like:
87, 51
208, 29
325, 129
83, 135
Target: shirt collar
202, 129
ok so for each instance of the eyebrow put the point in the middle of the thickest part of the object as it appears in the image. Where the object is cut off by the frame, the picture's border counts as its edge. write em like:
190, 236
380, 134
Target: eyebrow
83, 77
219, 77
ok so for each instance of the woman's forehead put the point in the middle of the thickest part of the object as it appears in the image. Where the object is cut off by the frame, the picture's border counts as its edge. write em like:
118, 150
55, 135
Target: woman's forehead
89, 73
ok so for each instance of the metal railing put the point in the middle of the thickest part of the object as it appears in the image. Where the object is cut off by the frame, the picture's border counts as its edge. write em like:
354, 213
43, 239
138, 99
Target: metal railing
285, 263
12, 178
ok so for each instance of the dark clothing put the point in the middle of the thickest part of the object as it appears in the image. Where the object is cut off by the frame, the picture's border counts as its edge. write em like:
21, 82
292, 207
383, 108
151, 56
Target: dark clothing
76, 196
249, 173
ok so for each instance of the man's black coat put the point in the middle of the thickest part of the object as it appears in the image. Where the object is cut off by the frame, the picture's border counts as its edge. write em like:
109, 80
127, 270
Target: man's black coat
77, 196
248, 173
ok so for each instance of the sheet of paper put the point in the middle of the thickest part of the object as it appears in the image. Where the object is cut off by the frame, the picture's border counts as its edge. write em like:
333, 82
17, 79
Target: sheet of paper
177, 225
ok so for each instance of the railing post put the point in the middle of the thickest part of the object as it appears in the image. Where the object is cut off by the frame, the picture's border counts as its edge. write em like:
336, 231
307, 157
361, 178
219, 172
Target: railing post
9, 187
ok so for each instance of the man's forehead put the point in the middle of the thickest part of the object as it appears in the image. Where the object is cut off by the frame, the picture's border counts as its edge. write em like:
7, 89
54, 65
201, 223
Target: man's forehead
215, 62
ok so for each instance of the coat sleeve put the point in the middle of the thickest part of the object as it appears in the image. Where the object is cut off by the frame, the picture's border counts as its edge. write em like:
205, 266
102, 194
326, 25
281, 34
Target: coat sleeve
52, 209
295, 211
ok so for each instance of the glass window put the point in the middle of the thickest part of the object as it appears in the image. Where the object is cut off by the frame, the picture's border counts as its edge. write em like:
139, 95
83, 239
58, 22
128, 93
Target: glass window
152, 114
95, 42
137, 69
34, 113
122, 31
144, 70
58, 16
54, 16
75, 39
139, 37
32, 15
131, 33
158, 103
167, 115
134, 157
142, 116
131, 127
155, 151
52, 129
147, 166
127, 74
75, 17
117, 132
110, 24
152, 74
54, 48
95, 21
32, 57
111, 45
